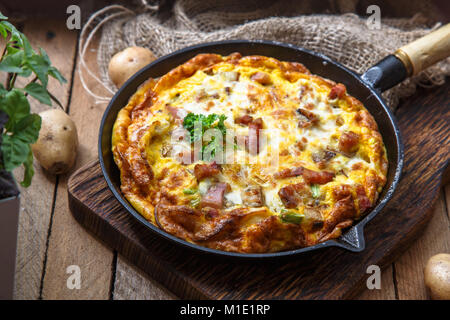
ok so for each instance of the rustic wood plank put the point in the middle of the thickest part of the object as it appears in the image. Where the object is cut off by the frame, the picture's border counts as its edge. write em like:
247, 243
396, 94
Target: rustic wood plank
409, 267
133, 284
428, 248
387, 291
36, 201
69, 243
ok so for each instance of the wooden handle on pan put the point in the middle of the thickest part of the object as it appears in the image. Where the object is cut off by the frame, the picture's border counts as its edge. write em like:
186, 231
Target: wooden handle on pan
425, 51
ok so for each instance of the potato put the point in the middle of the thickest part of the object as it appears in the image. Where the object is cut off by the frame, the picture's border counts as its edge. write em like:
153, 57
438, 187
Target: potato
437, 276
56, 147
127, 62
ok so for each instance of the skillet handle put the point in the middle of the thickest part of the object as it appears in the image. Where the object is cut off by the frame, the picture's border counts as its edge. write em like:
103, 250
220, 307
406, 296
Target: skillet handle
426, 51
409, 60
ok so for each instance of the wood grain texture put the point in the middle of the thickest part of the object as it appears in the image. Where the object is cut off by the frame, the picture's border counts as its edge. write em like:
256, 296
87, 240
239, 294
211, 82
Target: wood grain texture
69, 243
310, 276
36, 201
133, 284
407, 282
409, 267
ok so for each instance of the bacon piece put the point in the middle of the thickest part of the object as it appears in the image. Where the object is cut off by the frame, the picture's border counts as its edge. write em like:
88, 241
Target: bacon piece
206, 170
310, 176
252, 196
291, 195
342, 212
245, 119
338, 91
253, 138
308, 118
214, 197
348, 141
342, 191
289, 172
363, 200
262, 78
317, 177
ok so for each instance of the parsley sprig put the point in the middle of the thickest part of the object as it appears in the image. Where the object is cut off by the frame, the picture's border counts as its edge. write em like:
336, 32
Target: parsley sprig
204, 123
19, 128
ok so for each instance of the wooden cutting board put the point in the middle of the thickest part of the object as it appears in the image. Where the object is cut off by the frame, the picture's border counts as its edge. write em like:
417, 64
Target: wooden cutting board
331, 273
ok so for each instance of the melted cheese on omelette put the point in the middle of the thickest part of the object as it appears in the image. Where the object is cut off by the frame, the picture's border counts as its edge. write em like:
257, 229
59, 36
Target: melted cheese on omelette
318, 164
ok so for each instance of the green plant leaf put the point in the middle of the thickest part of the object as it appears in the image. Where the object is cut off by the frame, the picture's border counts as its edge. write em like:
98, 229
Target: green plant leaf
40, 67
29, 170
12, 62
39, 92
56, 74
28, 128
3, 31
3, 91
14, 150
16, 35
2, 17
16, 106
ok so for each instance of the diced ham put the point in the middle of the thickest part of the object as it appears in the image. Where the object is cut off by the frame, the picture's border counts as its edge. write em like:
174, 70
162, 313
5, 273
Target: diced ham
252, 196
202, 171
291, 195
214, 196
262, 78
310, 176
348, 141
317, 177
253, 138
338, 91
245, 119
289, 172
177, 113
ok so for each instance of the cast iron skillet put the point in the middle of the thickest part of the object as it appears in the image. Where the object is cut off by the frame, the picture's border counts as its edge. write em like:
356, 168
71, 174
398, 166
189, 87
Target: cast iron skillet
367, 88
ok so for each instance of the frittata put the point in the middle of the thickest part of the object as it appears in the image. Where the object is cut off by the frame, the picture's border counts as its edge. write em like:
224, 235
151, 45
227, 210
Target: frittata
248, 154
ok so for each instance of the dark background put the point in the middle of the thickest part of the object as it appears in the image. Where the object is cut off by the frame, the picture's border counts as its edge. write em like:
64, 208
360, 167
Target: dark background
17, 9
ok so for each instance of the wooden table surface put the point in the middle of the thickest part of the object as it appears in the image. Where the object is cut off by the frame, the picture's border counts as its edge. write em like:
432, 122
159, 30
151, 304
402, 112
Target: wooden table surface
50, 239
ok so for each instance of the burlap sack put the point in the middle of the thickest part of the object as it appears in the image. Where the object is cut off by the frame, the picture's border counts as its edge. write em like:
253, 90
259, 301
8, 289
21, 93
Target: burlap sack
345, 38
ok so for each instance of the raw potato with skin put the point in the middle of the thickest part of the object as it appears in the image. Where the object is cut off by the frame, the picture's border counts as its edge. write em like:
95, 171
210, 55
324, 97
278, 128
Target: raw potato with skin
56, 147
127, 62
437, 276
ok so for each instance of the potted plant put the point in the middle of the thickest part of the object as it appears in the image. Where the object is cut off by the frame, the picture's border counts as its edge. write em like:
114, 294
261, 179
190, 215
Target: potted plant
19, 128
